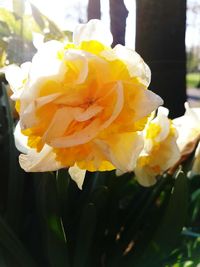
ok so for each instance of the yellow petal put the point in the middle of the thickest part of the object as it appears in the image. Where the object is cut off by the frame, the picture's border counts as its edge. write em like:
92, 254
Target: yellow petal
122, 150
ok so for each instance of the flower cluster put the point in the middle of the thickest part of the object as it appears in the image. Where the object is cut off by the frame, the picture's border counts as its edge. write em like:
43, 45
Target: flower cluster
86, 106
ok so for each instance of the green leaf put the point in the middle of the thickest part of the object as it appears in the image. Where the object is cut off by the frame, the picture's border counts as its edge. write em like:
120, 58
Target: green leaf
54, 29
29, 23
19, 7
2, 259
4, 29
15, 177
54, 237
3, 56
14, 247
168, 233
85, 237
8, 17
37, 15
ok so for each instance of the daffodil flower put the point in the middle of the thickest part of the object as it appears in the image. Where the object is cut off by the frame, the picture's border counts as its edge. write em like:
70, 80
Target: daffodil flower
160, 149
188, 127
84, 104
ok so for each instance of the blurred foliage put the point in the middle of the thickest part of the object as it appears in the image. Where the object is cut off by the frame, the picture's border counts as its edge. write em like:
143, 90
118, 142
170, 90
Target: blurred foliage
193, 60
193, 80
16, 33
45, 220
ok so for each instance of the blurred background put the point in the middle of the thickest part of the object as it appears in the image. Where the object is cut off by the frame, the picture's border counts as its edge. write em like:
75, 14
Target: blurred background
165, 33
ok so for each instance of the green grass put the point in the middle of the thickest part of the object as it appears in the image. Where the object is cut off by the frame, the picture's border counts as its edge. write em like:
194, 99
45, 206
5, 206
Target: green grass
192, 80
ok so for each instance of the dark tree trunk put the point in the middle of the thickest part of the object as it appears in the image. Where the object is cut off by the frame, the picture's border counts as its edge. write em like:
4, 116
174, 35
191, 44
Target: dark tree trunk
94, 9
118, 15
160, 40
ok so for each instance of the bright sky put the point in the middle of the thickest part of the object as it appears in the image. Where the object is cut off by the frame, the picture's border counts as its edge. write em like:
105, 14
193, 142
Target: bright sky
66, 14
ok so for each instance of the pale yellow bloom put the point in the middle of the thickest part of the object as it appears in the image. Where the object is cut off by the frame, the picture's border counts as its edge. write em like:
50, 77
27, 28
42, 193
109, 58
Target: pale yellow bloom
84, 103
196, 163
160, 149
188, 127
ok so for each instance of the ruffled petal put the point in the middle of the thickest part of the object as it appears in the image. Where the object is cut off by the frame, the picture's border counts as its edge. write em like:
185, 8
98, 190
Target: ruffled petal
78, 138
48, 52
164, 123
144, 102
42, 161
79, 63
16, 76
188, 126
145, 176
122, 150
20, 140
135, 64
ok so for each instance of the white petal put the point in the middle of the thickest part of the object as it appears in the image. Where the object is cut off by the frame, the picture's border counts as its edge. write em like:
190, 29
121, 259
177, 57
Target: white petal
43, 161
45, 62
78, 175
145, 102
20, 140
93, 30
28, 117
164, 123
119, 172
188, 126
14, 76
192, 113
135, 64
38, 40
163, 111
196, 165
145, 176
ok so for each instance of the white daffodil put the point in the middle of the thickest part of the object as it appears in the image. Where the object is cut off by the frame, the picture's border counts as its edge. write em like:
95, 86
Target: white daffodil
188, 127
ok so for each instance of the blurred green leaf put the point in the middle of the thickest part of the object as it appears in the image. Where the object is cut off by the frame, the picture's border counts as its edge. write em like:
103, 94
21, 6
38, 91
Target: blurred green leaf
54, 30
85, 236
2, 260
37, 15
3, 56
14, 247
19, 7
15, 178
29, 23
168, 233
4, 29
52, 227
7, 17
